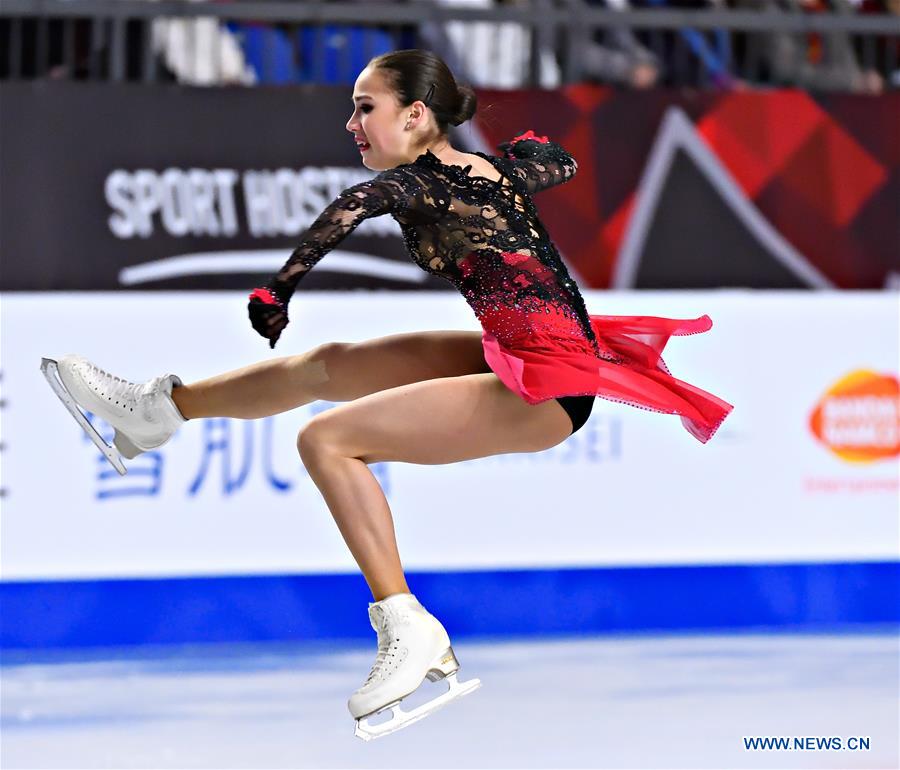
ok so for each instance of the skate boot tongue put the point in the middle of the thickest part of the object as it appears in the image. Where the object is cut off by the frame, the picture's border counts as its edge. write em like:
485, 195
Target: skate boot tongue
398, 601
377, 618
391, 610
382, 618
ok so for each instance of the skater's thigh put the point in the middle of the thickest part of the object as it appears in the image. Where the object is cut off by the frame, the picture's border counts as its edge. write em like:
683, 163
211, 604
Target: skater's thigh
357, 369
439, 421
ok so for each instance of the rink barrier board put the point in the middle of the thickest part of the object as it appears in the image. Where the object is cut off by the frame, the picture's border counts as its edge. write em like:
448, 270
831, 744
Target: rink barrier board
631, 488
515, 603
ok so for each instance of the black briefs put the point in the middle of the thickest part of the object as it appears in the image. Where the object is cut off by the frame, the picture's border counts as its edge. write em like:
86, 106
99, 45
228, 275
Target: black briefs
578, 408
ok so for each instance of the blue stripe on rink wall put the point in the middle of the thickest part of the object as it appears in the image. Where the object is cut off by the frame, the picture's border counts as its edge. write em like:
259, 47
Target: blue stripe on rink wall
801, 597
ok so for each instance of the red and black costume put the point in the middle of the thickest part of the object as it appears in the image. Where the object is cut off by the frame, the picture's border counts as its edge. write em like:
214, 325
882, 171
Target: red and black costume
485, 237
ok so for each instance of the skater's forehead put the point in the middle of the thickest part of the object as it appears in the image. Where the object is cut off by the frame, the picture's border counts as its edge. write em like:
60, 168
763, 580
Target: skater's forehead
369, 85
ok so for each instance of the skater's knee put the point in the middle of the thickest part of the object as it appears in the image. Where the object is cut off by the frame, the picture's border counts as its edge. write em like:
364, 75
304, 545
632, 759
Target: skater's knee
316, 441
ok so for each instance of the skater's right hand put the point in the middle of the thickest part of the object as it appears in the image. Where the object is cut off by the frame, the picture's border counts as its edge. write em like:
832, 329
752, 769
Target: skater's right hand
268, 313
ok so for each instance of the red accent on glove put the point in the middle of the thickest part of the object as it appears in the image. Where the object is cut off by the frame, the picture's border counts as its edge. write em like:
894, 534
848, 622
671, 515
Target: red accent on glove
264, 295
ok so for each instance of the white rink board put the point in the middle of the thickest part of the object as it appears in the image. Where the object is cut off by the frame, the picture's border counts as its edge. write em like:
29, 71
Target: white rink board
632, 487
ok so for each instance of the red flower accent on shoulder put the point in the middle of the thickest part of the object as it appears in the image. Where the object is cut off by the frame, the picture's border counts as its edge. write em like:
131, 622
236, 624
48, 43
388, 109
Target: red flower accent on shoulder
529, 134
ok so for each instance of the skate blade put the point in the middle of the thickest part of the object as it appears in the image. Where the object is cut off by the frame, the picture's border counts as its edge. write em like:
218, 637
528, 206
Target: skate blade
400, 718
51, 372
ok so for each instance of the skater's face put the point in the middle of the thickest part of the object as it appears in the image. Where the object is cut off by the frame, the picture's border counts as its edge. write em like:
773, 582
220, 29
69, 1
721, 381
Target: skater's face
381, 122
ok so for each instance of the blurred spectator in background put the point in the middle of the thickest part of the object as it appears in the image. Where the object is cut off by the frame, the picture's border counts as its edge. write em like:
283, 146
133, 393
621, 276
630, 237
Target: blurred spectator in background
691, 57
497, 54
814, 61
330, 52
488, 54
201, 51
616, 55
880, 54
74, 48
59, 64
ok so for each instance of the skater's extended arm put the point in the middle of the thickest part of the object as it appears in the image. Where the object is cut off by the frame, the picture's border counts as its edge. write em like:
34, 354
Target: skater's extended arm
539, 162
268, 304
342, 216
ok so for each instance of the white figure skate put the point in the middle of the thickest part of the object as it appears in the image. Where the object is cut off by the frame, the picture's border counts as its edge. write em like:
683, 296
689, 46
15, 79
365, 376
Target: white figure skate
143, 415
412, 646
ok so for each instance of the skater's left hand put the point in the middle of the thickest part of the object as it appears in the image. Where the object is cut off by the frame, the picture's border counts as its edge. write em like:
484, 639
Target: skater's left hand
268, 313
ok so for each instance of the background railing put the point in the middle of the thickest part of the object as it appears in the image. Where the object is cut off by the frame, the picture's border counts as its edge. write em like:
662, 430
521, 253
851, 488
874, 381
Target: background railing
535, 43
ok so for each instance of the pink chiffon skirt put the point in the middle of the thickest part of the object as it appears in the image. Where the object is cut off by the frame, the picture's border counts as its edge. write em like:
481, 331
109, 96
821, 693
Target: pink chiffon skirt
550, 362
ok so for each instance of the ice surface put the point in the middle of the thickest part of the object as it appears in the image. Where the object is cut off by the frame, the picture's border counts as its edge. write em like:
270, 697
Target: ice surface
624, 702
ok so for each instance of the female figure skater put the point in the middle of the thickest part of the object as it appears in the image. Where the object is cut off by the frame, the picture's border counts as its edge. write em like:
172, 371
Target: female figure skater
524, 384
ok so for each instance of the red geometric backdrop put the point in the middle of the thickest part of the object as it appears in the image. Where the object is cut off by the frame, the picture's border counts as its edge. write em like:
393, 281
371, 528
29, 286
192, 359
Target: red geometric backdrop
823, 170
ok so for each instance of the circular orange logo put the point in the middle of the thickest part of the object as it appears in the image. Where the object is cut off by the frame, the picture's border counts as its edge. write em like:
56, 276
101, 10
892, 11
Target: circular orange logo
858, 418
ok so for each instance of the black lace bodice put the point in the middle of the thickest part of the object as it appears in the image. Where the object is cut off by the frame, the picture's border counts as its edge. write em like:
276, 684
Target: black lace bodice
482, 235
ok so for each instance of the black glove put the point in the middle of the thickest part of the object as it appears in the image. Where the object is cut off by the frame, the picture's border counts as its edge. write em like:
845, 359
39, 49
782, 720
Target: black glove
268, 311
520, 147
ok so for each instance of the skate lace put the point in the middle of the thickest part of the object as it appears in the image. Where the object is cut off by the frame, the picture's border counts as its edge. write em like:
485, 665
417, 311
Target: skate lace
117, 387
385, 635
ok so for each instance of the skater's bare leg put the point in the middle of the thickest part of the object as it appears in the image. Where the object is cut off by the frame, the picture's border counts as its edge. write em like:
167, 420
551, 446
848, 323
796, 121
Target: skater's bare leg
434, 422
363, 516
335, 371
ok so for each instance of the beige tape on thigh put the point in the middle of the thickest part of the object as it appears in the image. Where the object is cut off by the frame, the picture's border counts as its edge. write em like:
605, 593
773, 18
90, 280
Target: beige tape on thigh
313, 372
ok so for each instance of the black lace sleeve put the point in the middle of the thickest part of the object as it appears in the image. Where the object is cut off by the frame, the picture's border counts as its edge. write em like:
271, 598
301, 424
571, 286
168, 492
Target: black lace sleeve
539, 162
382, 195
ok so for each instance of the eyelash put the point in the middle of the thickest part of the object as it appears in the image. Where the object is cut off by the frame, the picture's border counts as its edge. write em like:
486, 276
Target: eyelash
366, 108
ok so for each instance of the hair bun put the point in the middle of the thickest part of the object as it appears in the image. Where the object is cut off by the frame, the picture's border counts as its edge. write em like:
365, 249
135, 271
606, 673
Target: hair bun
467, 104
418, 74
